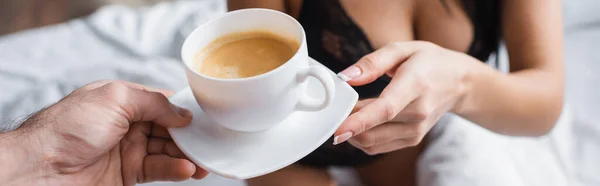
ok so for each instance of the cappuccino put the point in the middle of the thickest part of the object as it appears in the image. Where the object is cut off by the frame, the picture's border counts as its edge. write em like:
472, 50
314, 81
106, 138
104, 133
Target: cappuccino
245, 54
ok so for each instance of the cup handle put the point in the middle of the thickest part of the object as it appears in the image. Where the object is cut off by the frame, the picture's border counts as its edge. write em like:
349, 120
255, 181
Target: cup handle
307, 103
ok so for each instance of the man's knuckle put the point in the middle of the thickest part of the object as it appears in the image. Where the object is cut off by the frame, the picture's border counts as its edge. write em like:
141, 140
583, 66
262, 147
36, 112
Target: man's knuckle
114, 96
89, 86
156, 96
116, 86
95, 84
117, 92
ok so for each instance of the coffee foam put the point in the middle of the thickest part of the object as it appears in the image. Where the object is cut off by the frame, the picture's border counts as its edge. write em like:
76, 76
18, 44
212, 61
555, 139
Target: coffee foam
232, 71
236, 36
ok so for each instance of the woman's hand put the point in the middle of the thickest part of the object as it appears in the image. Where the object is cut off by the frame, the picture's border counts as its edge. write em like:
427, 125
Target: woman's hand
427, 81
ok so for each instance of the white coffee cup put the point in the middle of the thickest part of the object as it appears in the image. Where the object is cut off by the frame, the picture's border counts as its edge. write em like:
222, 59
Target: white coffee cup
255, 103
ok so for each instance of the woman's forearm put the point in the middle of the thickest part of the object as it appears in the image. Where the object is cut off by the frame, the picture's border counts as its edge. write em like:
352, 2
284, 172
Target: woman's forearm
527, 102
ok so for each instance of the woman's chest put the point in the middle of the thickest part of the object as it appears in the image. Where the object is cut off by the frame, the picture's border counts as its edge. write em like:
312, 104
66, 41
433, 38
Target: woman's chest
383, 21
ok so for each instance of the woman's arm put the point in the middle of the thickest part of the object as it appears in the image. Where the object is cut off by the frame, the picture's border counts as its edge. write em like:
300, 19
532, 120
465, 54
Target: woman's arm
528, 101
428, 80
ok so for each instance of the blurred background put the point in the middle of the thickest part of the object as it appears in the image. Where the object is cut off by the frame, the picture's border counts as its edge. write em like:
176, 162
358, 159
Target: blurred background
50, 47
17, 15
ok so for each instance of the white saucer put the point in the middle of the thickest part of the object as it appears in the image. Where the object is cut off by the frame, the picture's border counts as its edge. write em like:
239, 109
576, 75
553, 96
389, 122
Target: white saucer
243, 155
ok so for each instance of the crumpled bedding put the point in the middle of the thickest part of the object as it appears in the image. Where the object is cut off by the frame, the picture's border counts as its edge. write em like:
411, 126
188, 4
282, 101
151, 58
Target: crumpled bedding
38, 67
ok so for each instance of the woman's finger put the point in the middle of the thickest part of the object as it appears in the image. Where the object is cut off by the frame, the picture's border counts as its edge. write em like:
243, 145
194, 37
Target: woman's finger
375, 113
385, 133
415, 112
394, 98
378, 63
391, 146
361, 103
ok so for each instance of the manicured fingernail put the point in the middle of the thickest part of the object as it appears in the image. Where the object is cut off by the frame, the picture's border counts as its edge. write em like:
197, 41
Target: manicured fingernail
184, 112
342, 138
350, 73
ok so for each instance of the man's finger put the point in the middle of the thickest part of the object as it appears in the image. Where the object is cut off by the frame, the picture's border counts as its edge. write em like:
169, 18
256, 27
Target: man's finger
166, 93
157, 146
160, 132
378, 63
143, 105
200, 173
165, 168
155, 107
101, 83
92, 86
164, 146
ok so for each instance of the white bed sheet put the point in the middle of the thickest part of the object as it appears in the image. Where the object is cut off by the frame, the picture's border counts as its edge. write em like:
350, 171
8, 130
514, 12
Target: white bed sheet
38, 67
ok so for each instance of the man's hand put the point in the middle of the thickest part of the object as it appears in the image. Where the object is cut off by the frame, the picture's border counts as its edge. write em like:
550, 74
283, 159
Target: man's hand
105, 133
